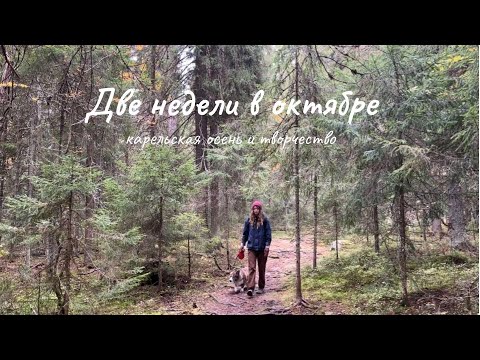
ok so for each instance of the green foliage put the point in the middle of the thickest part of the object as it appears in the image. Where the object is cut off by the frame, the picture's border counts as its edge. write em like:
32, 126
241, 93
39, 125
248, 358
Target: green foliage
190, 225
362, 267
369, 283
24, 208
160, 172
58, 180
114, 196
8, 149
24, 213
161, 179
214, 245
3, 251
228, 72
6, 296
117, 246
31, 217
133, 279
424, 137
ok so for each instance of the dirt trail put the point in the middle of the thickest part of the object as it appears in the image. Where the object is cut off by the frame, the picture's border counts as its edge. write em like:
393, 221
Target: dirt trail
221, 300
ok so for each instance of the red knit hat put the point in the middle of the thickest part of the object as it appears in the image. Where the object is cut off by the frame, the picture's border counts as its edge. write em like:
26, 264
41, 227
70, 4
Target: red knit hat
257, 203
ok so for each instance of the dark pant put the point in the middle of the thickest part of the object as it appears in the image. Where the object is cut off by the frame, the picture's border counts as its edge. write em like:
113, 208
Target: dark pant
253, 257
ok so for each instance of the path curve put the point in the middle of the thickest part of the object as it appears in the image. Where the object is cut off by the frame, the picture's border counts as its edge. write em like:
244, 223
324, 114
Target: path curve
221, 300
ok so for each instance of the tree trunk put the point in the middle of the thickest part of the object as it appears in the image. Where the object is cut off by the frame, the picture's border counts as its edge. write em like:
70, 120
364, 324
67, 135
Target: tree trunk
62, 124
335, 215
208, 213
227, 215
189, 259
201, 130
367, 226
32, 154
201, 159
3, 162
214, 207
402, 231
296, 175
18, 164
400, 202
315, 219
6, 97
437, 228
424, 225
89, 206
153, 69
201, 126
456, 212
54, 277
376, 228
160, 244
2, 189
214, 200
68, 256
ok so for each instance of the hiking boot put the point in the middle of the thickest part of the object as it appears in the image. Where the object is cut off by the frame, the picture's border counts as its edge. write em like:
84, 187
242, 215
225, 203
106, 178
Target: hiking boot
250, 292
259, 291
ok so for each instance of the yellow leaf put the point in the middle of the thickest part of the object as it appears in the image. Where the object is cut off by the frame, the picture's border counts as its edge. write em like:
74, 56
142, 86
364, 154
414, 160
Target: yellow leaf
127, 76
455, 59
277, 118
10, 84
139, 47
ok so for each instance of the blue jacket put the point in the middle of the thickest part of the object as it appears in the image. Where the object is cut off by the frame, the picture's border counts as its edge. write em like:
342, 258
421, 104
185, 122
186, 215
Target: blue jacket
257, 239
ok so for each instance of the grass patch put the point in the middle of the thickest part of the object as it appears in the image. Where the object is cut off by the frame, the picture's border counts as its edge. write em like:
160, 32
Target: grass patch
369, 283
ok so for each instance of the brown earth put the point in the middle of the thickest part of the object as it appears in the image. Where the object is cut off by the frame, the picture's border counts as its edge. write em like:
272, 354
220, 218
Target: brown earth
218, 297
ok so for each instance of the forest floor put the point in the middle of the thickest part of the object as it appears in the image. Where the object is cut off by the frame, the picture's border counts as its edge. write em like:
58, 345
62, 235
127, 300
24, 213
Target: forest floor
216, 297
208, 293
360, 282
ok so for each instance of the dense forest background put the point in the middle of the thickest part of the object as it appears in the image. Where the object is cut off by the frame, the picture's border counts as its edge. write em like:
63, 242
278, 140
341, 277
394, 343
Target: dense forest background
92, 224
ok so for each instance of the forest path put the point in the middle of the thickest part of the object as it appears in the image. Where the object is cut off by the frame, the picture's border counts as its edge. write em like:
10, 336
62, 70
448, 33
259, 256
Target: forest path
221, 299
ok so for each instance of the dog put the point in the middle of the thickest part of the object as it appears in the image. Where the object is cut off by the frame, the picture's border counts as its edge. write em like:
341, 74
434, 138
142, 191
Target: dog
239, 280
